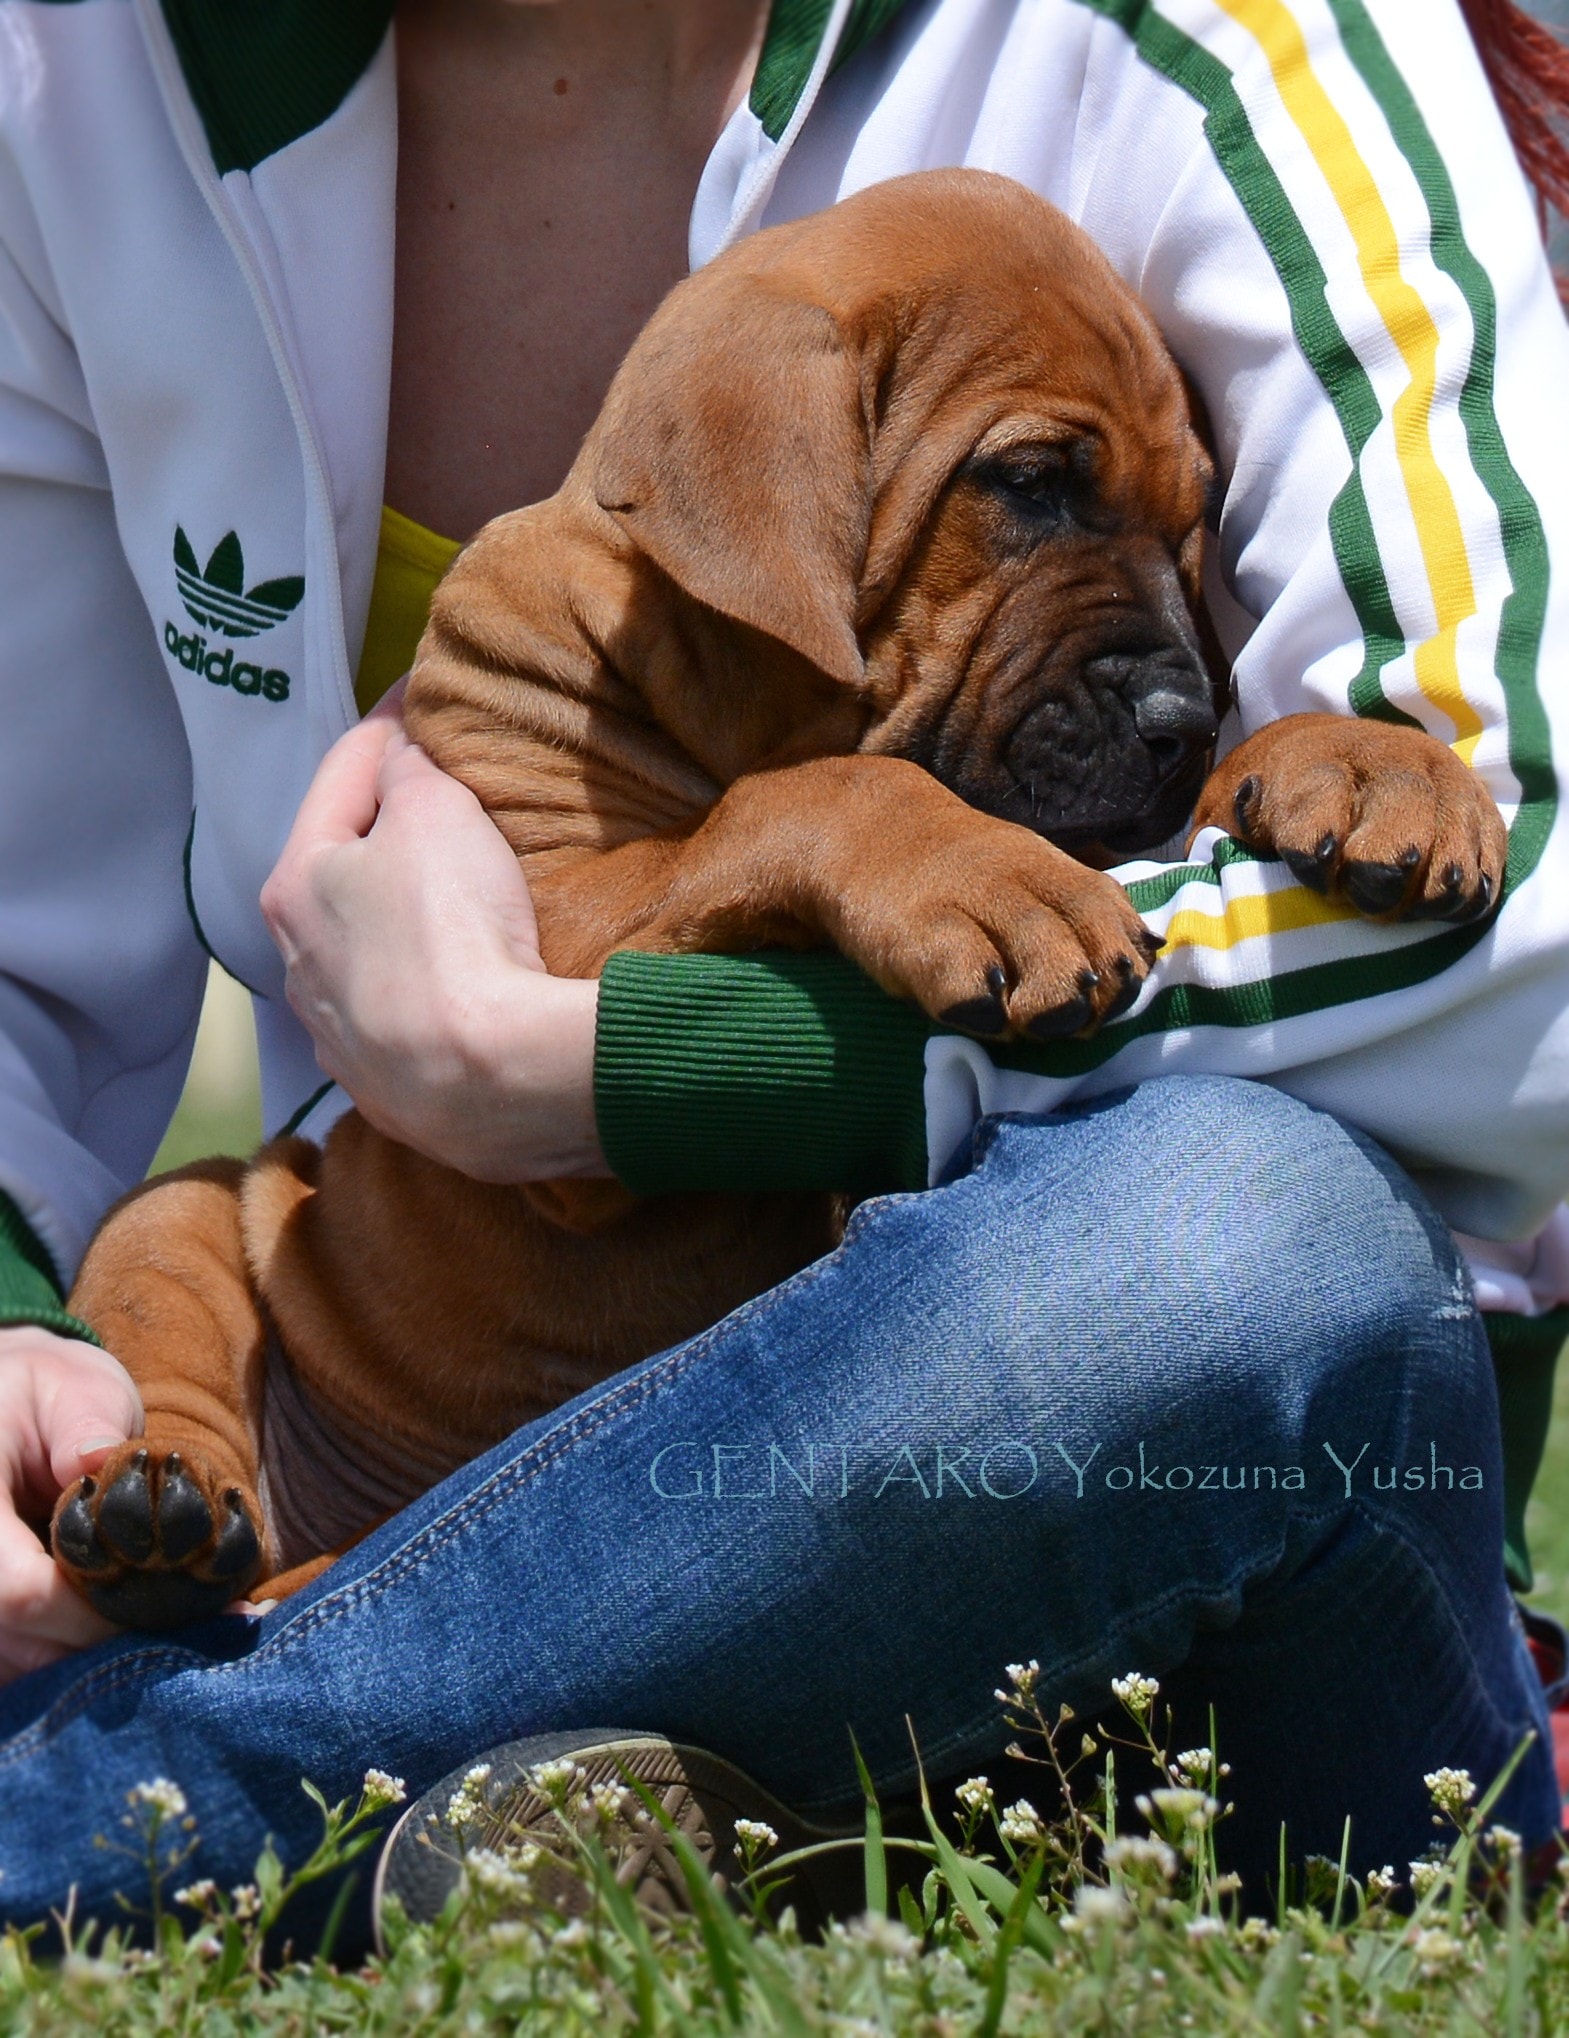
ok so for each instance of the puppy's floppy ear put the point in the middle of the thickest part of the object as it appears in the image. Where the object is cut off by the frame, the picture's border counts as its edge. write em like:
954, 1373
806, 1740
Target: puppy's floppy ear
734, 450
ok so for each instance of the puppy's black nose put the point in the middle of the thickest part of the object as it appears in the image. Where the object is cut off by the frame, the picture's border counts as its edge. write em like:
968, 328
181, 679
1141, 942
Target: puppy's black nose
1165, 715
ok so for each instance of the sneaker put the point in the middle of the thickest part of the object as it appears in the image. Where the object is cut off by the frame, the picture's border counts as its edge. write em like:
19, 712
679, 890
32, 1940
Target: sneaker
511, 1806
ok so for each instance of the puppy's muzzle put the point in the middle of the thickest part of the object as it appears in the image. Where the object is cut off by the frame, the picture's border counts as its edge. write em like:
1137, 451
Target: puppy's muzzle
1116, 758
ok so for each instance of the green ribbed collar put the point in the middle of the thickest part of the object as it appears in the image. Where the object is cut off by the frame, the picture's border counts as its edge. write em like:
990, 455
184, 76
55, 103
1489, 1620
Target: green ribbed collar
795, 31
264, 72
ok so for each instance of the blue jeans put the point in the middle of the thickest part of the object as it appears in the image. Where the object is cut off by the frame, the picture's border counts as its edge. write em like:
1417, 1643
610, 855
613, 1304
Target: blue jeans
1187, 1381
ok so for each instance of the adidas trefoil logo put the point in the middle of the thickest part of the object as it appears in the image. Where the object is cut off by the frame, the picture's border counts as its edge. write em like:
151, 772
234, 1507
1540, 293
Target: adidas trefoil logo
215, 596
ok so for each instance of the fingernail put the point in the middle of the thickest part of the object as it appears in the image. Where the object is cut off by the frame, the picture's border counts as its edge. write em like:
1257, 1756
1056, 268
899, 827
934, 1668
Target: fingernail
98, 1444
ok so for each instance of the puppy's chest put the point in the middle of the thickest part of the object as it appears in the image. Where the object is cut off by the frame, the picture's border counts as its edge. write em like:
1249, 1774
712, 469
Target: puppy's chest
322, 1481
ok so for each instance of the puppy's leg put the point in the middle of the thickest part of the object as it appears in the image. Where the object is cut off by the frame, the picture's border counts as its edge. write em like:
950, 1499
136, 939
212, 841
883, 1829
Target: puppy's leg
1384, 817
982, 922
170, 1528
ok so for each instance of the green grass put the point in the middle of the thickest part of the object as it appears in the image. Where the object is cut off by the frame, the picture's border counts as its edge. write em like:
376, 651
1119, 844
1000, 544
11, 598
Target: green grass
220, 1109
1547, 1516
1111, 1919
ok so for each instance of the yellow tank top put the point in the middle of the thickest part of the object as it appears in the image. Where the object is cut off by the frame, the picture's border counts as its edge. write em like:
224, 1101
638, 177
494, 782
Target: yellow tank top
409, 562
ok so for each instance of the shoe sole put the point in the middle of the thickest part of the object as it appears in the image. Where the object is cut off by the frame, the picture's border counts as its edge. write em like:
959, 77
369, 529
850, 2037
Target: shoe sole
421, 1862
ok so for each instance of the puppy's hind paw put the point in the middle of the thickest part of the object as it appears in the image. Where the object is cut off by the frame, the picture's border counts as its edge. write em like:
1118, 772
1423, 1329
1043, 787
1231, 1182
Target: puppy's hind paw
152, 1541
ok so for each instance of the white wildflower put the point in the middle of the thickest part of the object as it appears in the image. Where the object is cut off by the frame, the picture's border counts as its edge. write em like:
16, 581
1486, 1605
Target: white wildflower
558, 1778
1435, 1950
1204, 1928
1097, 1906
198, 1895
380, 1789
975, 1794
1136, 1692
246, 1899
1020, 1825
1131, 1853
1195, 1808
572, 1934
1229, 1884
467, 1802
609, 1801
1504, 1839
1258, 1933
885, 1938
1382, 1884
1426, 1877
1450, 1789
1024, 1677
499, 1875
756, 1839
209, 1945
160, 1796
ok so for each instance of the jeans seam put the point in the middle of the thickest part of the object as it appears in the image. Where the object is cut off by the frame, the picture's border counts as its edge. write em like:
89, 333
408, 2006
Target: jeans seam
102, 1682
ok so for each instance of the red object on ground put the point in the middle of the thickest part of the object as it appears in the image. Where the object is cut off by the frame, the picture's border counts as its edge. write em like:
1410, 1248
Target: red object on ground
1550, 1667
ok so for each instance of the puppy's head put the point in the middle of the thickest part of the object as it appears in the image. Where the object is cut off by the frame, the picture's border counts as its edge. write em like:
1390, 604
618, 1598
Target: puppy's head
929, 443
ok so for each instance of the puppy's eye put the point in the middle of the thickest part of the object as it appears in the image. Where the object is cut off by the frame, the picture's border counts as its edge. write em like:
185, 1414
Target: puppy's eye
1046, 484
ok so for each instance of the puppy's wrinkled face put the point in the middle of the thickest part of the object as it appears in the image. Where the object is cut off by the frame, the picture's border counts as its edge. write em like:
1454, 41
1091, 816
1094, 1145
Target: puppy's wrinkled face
1048, 669
930, 443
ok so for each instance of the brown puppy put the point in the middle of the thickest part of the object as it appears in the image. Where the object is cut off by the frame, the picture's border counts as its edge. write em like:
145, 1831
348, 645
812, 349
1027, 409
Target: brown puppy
862, 619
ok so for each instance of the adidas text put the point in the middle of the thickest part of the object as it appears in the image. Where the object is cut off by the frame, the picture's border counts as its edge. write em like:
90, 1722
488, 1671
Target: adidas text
221, 669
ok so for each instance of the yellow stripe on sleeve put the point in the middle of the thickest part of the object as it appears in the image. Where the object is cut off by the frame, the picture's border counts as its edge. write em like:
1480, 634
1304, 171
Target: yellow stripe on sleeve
1248, 915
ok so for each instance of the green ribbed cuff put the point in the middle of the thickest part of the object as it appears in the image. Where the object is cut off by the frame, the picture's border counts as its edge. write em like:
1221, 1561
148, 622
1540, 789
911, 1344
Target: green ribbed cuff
29, 1288
1525, 1359
776, 1071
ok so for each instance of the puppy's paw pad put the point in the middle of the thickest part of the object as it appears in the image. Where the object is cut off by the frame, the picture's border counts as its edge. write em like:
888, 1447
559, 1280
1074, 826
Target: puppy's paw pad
154, 1542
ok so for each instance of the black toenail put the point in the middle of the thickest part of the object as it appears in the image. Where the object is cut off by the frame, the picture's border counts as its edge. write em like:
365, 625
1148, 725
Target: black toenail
1126, 997
1246, 794
1311, 870
125, 1514
1151, 942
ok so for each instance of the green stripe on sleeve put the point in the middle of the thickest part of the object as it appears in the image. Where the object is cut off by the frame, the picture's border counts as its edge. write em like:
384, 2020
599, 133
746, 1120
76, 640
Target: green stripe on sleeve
29, 1286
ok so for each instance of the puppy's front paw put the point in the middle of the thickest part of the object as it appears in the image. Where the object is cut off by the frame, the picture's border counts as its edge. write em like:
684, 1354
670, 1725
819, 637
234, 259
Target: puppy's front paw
1002, 933
1385, 817
153, 1541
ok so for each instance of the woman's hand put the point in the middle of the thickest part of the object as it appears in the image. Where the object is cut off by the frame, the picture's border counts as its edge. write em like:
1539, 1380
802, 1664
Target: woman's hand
413, 961
63, 1405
